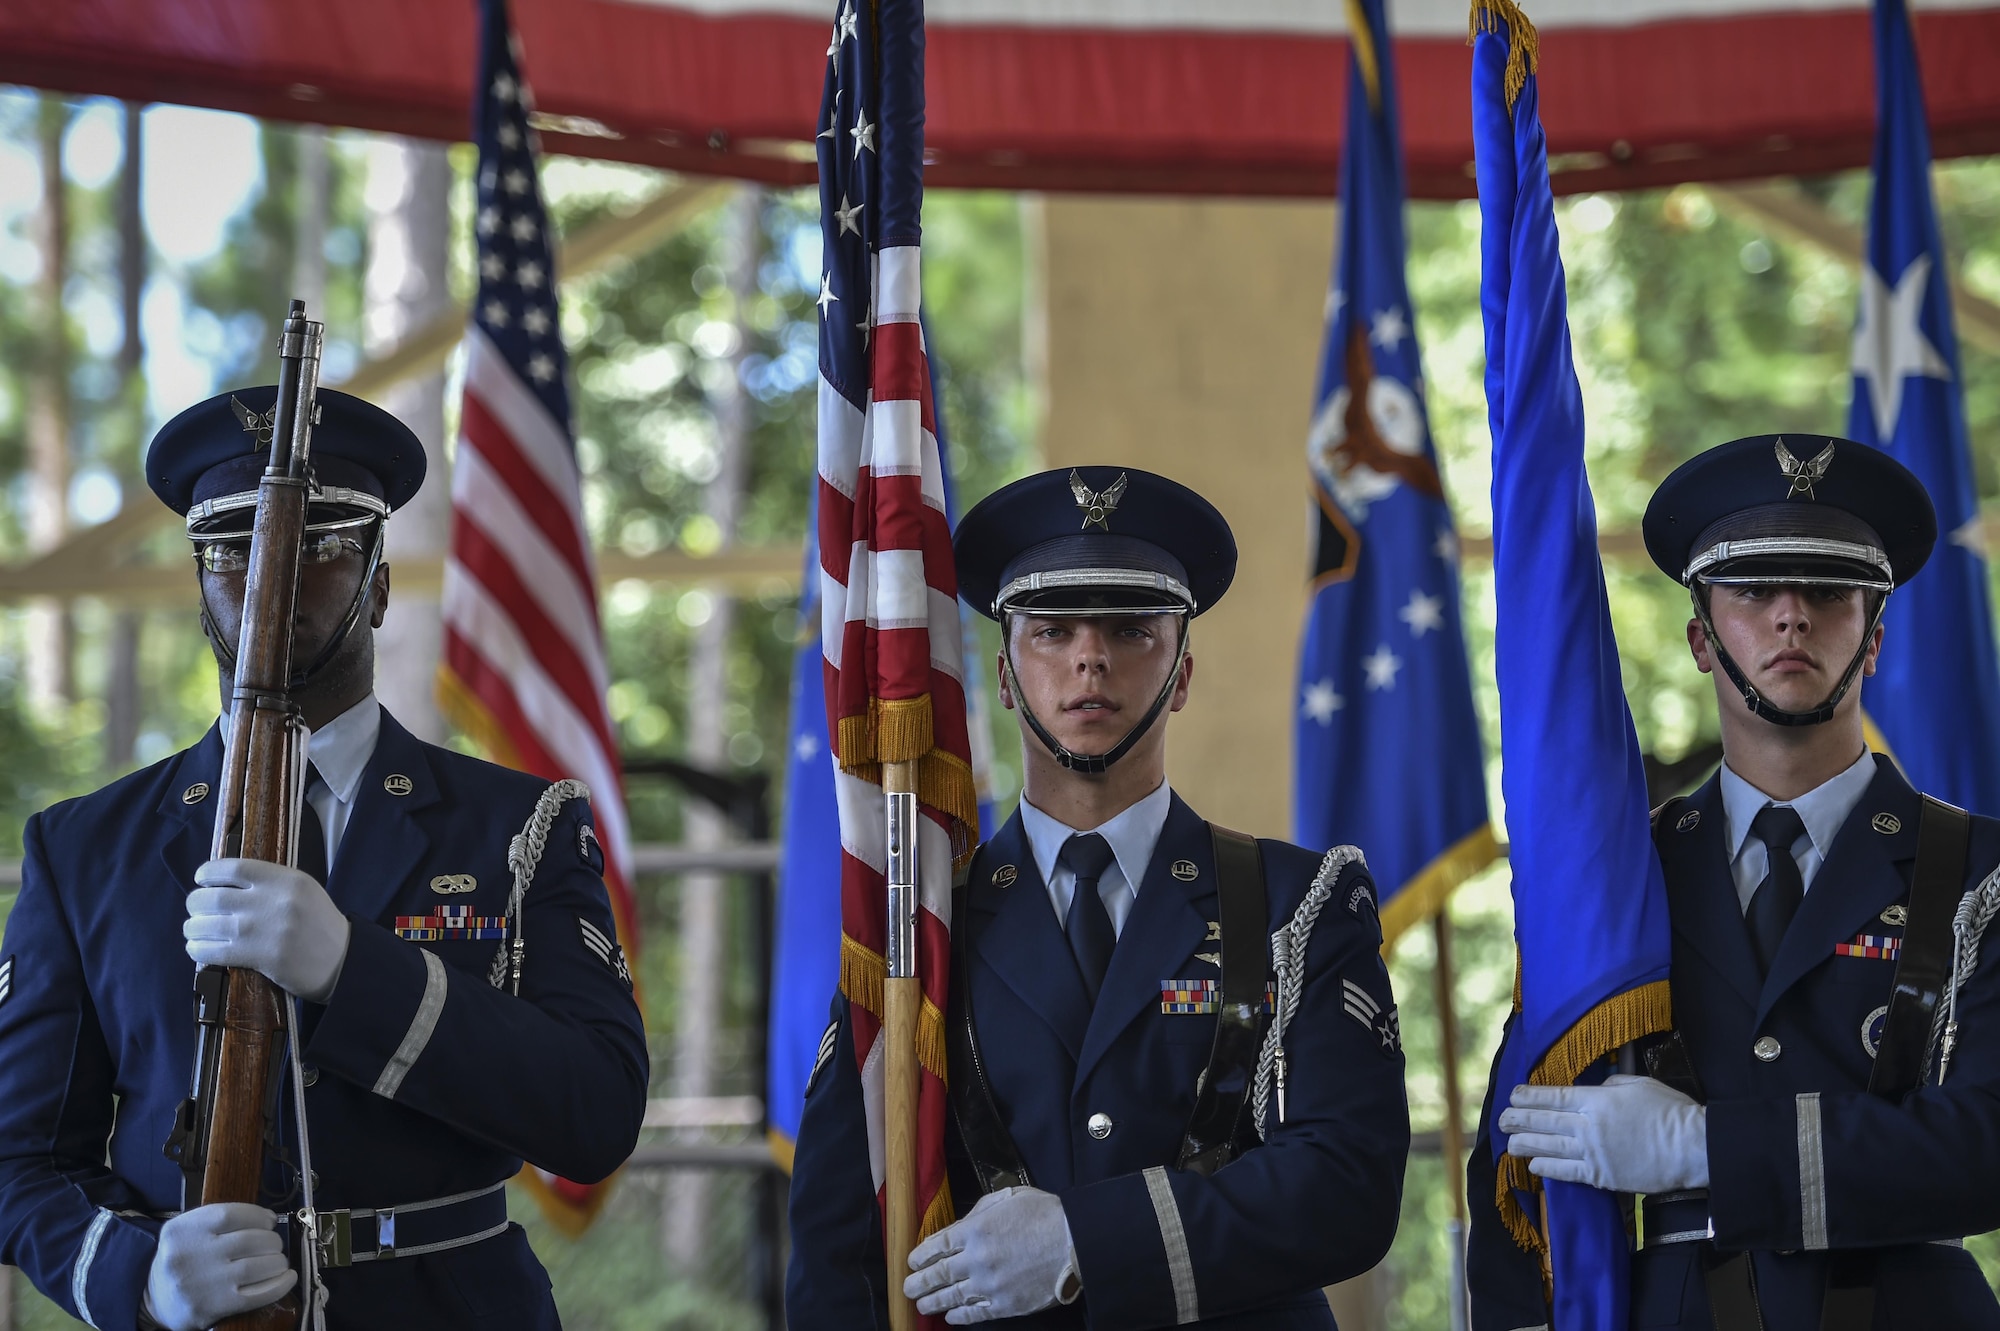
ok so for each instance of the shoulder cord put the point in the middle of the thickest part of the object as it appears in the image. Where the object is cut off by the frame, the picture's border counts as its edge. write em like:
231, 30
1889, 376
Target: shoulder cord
1968, 927
1288, 959
524, 855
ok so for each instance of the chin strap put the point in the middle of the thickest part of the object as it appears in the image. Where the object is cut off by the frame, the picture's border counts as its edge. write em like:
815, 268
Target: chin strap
1091, 762
1756, 702
327, 653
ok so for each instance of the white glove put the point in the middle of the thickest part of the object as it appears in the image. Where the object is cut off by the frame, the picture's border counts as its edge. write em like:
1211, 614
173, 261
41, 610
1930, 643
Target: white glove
255, 915
1010, 1255
214, 1262
1632, 1134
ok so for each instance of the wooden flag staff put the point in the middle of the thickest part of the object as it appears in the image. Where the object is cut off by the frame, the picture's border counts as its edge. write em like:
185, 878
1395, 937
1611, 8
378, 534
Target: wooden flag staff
902, 1000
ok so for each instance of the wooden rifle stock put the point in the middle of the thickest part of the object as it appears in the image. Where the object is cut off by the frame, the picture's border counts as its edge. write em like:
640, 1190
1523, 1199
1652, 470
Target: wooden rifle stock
219, 1138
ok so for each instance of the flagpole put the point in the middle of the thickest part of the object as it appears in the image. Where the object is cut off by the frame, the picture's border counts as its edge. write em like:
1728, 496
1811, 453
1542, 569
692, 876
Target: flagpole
1452, 1137
902, 998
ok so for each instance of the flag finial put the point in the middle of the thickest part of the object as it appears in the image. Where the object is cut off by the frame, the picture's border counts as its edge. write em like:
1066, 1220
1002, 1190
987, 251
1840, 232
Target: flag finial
1523, 42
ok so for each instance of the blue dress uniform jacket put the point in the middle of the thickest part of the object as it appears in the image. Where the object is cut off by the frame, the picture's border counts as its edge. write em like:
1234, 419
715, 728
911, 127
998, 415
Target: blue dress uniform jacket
424, 1079
1250, 1246
1802, 1158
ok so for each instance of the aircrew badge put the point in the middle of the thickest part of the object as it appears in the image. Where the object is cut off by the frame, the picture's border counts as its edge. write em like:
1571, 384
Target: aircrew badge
454, 884
1898, 915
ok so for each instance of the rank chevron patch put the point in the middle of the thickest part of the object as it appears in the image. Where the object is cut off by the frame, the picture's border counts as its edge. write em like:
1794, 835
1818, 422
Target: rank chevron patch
605, 950
6, 979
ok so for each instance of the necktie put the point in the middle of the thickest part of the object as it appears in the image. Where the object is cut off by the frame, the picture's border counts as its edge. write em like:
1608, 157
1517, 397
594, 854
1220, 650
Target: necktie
1088, 924
1777, 898
312, 837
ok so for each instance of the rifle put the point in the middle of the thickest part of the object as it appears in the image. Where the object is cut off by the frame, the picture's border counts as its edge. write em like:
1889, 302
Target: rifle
241, 1017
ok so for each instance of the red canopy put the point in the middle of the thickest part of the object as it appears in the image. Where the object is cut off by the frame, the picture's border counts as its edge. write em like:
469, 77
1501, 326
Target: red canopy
1164, 96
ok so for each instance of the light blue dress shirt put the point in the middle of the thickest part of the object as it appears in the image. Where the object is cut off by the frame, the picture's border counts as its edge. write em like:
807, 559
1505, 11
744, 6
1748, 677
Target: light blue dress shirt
1132, 834
1822, 809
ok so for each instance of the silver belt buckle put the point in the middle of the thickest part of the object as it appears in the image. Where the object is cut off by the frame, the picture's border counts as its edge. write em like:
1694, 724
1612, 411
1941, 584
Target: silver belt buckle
385, 1232
332, 1232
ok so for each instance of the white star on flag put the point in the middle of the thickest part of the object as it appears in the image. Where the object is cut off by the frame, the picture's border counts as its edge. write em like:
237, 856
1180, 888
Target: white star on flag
806, 748
540, 368
1322, 702
1423, 613
529, 275
515, 182
509, 136
848, 215
1971, 535
1889, 346
863, 132
536, 321
492, 267
1388, 328
846, 27
1382, 665
826, 296
1335, 299
489, 220
496, 314
522, 228
504, 87
833, 121
1446, 546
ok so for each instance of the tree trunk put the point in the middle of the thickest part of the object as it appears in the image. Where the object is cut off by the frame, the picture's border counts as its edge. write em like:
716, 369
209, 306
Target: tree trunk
704, 965
404, 288
51, 674
122, 702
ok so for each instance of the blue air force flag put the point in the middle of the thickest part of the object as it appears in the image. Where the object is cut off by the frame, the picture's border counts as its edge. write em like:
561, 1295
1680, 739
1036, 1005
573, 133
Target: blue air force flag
1386, 746
1936, 695
1590, 904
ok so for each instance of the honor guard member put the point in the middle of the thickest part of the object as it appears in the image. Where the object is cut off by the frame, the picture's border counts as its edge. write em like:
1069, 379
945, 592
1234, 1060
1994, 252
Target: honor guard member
1158, 1117
429, 1075
1823, 1123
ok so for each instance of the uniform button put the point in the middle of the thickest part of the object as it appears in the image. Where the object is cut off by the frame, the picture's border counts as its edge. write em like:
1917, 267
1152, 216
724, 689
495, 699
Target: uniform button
1099, 1126
1767, 1048
311, 1075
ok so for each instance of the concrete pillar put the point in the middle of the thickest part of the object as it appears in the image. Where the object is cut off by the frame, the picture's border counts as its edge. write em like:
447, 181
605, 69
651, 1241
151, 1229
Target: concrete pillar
1182, 338
404, 288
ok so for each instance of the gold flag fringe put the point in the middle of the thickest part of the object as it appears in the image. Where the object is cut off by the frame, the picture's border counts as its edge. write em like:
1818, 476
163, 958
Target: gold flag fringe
1524, 44
863, 973
1426, 894
1363, 40
900, 730
939, 1213
1612, 1024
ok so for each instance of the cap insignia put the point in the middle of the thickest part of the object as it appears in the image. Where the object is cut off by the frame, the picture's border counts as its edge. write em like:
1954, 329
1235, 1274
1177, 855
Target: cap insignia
1803, 475
1097, 506
259, 424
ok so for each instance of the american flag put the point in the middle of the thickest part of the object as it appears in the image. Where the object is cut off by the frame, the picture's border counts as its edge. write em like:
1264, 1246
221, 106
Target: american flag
888, 595
524, 666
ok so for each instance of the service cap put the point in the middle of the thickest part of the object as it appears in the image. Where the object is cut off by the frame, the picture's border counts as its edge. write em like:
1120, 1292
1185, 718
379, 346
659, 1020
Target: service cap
206, 462
1106, 540
1794, 508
